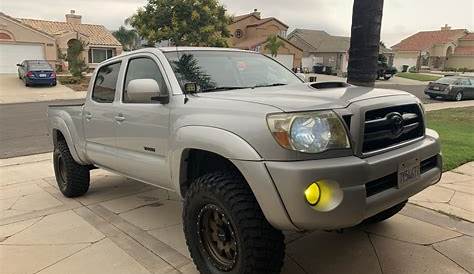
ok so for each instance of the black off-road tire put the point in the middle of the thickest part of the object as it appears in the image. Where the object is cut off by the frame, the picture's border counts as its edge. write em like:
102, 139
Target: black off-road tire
433, 97
72, 178
260, 247
386, 214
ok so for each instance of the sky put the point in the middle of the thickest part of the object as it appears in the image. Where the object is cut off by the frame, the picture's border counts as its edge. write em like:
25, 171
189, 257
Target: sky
401, 17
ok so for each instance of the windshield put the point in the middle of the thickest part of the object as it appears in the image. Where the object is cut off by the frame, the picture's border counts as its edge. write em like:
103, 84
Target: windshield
226, 70
446, 80
39, 65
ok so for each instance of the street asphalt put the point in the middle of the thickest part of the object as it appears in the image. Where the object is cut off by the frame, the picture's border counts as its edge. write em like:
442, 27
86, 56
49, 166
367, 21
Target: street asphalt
417, 90
24, 128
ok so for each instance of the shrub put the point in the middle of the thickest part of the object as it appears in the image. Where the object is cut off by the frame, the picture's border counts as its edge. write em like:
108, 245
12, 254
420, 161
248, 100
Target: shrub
413, 69
68, 80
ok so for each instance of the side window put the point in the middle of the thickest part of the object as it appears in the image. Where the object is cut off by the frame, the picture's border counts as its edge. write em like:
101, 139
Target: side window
465, 82
105, 83
143, 68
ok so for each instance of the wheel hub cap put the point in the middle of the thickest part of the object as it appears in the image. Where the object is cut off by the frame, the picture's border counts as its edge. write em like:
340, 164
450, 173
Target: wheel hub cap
217, 237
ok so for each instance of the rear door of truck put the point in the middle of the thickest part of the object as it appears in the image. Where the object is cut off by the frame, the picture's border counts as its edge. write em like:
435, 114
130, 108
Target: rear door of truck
99, 116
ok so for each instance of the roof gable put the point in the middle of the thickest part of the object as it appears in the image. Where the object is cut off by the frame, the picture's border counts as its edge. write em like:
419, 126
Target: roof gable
97, 34
426, 39
321, 41
20, 23
266, 20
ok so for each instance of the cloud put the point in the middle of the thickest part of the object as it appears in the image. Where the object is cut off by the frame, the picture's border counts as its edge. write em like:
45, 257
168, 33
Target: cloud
401, 17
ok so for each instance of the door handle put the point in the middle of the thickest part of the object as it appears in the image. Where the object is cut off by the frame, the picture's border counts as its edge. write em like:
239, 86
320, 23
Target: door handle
88, 116
119, 118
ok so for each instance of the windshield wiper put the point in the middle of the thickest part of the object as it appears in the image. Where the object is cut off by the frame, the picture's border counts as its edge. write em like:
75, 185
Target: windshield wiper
269, 85
222, 88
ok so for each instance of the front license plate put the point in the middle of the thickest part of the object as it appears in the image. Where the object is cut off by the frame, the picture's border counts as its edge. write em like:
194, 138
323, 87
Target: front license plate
42, 75
435, 88
408, 172
388, 75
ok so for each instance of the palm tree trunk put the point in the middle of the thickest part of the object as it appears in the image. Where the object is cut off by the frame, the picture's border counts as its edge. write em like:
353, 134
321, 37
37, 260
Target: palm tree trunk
365, 38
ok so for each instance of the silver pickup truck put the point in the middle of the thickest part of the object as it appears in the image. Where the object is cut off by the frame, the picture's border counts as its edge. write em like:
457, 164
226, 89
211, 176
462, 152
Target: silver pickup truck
250, 147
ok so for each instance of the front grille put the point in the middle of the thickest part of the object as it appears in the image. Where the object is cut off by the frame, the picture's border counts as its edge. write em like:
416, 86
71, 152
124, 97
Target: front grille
382, 184
390, 126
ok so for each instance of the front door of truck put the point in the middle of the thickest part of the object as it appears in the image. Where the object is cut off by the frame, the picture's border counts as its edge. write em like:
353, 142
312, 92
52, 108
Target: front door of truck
143, 132
99, 116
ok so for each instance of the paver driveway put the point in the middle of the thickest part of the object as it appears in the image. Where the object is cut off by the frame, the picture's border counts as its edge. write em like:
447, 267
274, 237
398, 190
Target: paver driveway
123, 226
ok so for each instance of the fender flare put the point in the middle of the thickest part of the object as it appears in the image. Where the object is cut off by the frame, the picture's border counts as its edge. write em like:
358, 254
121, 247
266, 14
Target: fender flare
60, 125
245, 158
212, 139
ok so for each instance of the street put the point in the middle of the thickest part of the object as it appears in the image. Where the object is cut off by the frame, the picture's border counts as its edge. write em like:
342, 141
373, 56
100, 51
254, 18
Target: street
25, 128
24, 125
417, 90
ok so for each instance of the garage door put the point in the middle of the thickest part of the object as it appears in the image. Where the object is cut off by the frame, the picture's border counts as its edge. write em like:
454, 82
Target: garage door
285, 59
12, 54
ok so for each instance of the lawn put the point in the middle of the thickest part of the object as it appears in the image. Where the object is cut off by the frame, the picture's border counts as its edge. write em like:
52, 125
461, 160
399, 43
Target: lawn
456, 130
418, 76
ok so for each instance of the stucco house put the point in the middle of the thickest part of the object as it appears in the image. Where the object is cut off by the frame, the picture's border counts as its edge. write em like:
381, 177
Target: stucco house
23, 39
250, 32
319, 47
436, 50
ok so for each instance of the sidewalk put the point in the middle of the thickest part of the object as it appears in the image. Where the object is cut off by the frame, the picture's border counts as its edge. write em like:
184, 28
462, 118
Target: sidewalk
123, 226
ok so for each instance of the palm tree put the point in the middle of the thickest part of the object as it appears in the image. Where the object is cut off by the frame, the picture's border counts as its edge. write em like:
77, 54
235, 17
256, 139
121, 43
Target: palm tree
273, 44
365, 38
127, 37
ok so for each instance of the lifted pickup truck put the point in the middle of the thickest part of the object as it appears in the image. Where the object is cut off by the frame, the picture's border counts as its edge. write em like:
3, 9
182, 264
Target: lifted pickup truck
251, 148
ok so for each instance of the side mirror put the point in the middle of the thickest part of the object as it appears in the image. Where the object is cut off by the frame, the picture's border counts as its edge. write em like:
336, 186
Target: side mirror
302, 76
144, 91
18, 65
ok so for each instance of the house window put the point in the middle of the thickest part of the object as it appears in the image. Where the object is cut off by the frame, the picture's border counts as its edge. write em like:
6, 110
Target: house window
283, 33
238, 33
5, 36
97, 55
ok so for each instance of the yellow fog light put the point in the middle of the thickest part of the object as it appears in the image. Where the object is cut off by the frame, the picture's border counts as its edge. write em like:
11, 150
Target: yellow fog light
313, 194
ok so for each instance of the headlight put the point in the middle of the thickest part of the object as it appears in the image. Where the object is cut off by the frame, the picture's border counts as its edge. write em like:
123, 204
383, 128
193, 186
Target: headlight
310, 132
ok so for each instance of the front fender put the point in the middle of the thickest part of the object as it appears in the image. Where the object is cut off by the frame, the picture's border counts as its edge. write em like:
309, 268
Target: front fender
245, 158
216, 140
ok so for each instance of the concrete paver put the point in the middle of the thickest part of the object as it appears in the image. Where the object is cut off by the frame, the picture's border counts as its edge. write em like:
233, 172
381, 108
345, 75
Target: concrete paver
400, 257
157, 215
460, 250
411, 230
453, 195
13, 90
325, 252
123, 226
124, 204
61, 228
99, 258
25, 259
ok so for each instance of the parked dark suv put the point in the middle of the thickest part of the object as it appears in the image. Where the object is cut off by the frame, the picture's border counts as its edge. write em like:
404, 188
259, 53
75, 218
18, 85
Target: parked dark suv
36, 72
452, 87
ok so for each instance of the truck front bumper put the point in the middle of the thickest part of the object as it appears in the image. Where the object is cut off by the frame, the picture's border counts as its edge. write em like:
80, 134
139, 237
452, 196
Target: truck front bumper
355, 179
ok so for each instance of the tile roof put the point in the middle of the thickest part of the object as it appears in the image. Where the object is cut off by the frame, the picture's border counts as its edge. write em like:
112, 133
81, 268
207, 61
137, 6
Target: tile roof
252, 43
469, 37
321, 41
97, 34
467, 50
265, 20
426, 39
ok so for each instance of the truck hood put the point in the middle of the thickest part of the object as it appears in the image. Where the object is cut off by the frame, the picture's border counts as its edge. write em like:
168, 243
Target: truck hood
301, 97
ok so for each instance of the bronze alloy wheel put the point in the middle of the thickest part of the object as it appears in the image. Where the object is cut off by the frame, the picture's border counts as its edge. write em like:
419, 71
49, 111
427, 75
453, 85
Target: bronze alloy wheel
217, 237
